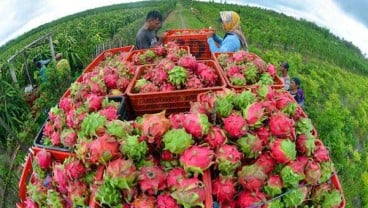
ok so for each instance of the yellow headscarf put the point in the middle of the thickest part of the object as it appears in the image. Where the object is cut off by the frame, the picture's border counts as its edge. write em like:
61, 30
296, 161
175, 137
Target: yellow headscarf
231, 22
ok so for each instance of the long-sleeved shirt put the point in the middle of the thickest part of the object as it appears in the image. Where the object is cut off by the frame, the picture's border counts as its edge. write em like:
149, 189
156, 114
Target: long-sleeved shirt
231, 43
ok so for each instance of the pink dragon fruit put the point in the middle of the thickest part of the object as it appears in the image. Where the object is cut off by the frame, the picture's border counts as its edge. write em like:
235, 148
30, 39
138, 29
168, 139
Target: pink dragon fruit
177, 140
224, 189
160, 77
196, 124
312, 172
281, 126
228, 159
232, 70
55, 138
208, 77
149, 87
60, 177
191, 193
78, 193
248, 199
122, 83
283, 150
296, 197
154, 126
321, 153
188, 61
271, 69
174, 178
197, 107
152, 179
196, 159
254, 115
177, 120
250, 145
165, 200
273, 186
305, 144
68, 138
110, 112
167, 87
111, 80
94, 102
29, 203
103, 149
235, 125
48, 129
121, 173
215, 137
66, 104
252, 177
292, 174
263, 134
193, 82
43, 159
74, 168
266, 162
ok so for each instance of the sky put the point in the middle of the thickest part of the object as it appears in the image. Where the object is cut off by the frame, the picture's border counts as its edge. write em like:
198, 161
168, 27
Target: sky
347, 19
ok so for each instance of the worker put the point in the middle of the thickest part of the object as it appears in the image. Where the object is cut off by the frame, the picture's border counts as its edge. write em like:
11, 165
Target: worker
41, 64
285, 75
147, 35
296, 91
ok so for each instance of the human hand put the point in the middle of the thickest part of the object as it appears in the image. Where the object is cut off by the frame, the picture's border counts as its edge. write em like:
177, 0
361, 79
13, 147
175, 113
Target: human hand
210, 34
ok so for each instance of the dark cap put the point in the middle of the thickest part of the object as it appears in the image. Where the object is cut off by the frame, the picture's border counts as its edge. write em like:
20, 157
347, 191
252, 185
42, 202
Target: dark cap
285, 65
219, 20
296, 80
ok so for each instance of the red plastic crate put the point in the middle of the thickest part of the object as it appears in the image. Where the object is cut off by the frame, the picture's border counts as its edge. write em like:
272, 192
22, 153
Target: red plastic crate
173, 101
278, 84
196, 39
28, 171
138, 52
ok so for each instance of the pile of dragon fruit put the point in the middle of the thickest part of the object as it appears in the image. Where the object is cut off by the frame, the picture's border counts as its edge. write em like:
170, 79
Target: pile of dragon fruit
188, 32
186, 73
170, 51
257, 146
245, 68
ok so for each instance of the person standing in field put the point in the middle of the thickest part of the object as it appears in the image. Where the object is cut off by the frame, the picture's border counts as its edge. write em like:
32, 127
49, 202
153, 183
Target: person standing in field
285, 75
147, 35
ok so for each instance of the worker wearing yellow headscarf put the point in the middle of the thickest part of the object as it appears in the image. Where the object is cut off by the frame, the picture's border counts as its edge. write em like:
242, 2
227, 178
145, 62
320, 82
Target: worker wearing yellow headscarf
234, 38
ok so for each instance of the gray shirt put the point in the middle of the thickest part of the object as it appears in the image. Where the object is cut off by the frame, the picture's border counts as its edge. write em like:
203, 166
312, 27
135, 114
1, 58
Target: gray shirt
145, 39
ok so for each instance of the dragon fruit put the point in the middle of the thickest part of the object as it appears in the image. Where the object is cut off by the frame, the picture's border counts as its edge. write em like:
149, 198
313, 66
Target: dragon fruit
103, 149
305, 144
119, 128
250, 73
43, 159
215, 137
91, 124
292, 174
196, 159
54, 199
165, 200
144, 201
266, 162
78, 193
196, 124
232, 69
94, 102
250, 145
74, 168
160, 77
228, 159
235, 125
304, 126
139, 84
283, 150
68, 138
55, 138
178, 76
252, 177
188, 61
321, 153
327, 169
271, 69
121, 173
238, 79
177, 120
107, 195
133, 148
273, 186
167, 87
177, 140
224, 189
149, 87
254, 115
263, 134
191, 193
224, 106
152, 179
312, 172
265, 79
154, 126
281, 125
29, 203
248, 199
193, 82
296, 197
66, 104
244, 99
110, 112
60, 177
48, 129
174, 178
208, 77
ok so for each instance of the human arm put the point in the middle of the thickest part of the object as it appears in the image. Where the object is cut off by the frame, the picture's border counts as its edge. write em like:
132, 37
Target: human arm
230, 44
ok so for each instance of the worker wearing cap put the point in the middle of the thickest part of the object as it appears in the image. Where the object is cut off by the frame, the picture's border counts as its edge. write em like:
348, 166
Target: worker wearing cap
234, 39
296, 91
285, 75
